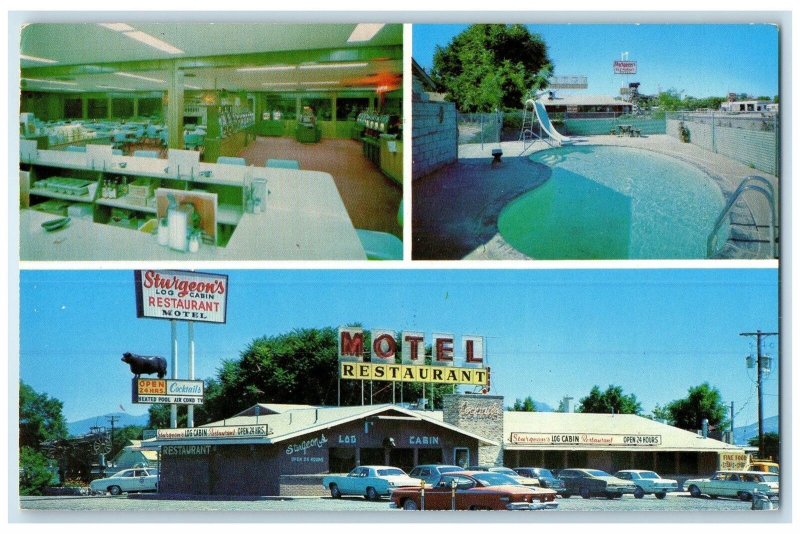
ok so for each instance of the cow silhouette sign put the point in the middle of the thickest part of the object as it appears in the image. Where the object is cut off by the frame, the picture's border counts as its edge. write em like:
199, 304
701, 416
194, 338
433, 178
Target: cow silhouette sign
145, 365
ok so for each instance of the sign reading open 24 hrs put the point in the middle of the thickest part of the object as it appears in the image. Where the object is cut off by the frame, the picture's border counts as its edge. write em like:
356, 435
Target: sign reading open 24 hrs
181, 295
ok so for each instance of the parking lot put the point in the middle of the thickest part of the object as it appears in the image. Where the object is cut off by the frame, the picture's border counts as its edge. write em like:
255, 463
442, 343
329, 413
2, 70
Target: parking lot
676, 502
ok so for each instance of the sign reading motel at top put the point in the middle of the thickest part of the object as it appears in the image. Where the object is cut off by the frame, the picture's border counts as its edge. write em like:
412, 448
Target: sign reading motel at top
383, 351
624, 67
181, 295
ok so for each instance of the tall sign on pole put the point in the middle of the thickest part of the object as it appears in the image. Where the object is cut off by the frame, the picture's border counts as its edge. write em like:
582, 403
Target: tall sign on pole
181, 296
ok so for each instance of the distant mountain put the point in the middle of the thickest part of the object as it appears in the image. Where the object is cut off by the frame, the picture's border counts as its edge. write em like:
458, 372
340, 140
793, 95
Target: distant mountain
743, 433
78, 428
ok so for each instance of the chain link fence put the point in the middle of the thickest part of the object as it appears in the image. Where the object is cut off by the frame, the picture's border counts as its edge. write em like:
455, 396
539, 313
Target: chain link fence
749, 138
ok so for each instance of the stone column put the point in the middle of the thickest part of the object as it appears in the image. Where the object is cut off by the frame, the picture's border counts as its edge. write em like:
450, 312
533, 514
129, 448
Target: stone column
481, 415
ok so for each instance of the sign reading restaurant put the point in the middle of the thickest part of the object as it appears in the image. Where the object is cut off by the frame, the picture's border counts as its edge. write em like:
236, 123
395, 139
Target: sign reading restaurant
585, 440
181, 295
162, 391
383, 351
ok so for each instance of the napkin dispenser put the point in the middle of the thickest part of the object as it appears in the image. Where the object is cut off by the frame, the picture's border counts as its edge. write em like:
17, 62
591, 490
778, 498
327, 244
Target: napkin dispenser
179, 219
259, 195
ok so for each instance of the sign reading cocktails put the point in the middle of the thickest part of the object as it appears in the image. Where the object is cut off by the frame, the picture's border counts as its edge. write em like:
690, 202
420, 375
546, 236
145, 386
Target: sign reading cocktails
383, 352
181, 295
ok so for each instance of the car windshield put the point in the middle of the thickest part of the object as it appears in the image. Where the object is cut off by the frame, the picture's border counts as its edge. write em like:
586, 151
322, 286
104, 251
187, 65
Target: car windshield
545, 473
450, 469
648, 474
597, 473
391, 472
505, 470
491, 478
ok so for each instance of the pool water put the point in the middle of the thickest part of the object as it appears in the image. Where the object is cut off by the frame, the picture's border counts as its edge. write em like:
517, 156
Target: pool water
605, 202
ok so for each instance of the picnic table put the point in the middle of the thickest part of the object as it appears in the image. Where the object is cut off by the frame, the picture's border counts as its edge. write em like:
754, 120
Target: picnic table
625, 130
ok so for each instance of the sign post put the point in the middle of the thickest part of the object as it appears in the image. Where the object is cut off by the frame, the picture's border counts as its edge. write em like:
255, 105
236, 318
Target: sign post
181, 296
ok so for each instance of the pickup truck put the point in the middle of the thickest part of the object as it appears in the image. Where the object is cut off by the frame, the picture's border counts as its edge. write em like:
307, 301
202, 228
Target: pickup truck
371, 481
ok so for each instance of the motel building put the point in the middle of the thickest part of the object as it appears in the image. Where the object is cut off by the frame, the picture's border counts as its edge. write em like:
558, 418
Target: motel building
279, 449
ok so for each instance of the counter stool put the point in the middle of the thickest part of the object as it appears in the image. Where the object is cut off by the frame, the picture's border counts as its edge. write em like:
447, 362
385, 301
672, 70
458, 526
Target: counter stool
380, 245
283, 164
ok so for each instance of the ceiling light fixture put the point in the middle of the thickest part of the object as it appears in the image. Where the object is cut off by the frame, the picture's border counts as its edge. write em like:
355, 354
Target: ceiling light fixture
38, 59
364, 32
59, 82
279, 83
193, 87
145, 78
332, 65
266, 68
142, 37
114, 87
320, 83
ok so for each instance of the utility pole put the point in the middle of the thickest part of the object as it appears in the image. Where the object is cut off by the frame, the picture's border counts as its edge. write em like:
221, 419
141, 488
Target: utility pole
758, 334
112, 419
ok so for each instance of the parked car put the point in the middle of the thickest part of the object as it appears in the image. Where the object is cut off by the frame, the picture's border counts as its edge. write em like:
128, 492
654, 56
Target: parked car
594, 483
523, 480
765, 466
430, 473
371, 481
474, 490
648, 482
545, 477
741, 484
127, 480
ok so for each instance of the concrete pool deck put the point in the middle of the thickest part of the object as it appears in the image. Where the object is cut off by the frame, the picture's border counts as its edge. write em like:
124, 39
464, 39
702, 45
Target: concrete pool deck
455, 209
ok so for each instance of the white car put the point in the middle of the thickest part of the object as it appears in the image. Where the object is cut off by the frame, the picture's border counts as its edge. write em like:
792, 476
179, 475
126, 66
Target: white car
127, 480
371, 481
740, 484
648, 482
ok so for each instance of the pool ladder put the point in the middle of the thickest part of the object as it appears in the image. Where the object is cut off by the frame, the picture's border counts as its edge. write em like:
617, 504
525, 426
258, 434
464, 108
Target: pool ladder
747, 185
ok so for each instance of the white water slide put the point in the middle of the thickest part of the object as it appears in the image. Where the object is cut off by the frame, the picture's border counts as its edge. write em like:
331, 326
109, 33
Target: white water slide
544, 122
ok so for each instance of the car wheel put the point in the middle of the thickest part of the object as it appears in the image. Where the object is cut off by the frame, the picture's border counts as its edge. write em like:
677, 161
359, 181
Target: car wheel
371, 495
660, 495
585, 493
115, 490
335, 492
611, 496
638, 492
694, 491
566, 495
745, 496
410, 504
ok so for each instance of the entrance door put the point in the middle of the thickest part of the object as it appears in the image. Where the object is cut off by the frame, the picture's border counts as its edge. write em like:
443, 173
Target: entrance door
461, 457
402, 458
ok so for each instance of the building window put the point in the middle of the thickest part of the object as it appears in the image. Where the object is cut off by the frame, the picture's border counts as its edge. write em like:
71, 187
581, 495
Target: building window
73, 108
98, 108
341, 460
461, 457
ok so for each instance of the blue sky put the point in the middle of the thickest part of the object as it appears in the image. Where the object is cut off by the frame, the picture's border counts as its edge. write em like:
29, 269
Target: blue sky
550, 333
699, 59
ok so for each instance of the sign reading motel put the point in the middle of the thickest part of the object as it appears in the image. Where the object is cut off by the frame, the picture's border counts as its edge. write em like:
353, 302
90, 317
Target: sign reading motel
585, 440
384, 349
162, 391
240, 431
181, 295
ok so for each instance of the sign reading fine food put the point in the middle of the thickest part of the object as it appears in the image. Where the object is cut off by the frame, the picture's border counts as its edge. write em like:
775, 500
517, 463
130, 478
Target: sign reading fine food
584, 440
181, 295
624, 67
161, 391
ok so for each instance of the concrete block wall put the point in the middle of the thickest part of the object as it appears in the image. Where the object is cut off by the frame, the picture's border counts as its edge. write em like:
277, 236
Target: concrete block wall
434, 136
482, 415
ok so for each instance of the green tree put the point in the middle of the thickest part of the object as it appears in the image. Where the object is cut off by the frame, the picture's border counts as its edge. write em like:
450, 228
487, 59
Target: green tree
772, 445
702, 402
490, 66
661, 413
40, 418
34, 472
612, 400
524, 405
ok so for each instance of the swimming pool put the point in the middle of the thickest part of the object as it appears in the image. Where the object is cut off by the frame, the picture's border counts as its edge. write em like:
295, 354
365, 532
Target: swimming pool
608, 202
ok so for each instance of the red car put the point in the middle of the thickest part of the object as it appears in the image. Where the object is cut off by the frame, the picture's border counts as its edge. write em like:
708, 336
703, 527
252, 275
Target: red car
474, 490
